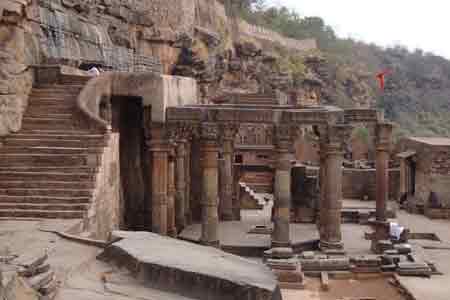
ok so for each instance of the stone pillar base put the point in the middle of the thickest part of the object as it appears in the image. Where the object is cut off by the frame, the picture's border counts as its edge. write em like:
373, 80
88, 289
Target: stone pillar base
381, 233
278, 244
288, 272
323, 245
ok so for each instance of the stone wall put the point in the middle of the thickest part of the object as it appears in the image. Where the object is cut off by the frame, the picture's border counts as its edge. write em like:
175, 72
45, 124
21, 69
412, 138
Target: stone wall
432, 171
15, 75
357, 183
106, 208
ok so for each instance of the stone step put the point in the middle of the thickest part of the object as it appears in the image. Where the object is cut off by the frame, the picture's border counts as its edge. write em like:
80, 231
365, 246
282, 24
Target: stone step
44, 206
55, 91
50, 109
58, 136
44, 214
63, 169
75, 143
35, 199
46, 192
53, 116
45, 160
50, 150
74, 79
39, 184
58, 86
8, 176
58, 132
41, 123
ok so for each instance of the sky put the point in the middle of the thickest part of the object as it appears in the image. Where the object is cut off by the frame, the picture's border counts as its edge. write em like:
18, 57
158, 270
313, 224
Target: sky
412, 23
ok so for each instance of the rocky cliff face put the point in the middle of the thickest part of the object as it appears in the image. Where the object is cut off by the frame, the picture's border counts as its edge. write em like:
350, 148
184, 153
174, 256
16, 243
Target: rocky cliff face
194, 38
15, 77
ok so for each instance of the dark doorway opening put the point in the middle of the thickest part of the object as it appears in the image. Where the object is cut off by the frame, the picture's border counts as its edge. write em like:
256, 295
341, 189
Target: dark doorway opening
127, 120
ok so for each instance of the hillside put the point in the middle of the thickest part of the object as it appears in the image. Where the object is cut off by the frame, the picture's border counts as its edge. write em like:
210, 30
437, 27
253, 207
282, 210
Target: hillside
417, 94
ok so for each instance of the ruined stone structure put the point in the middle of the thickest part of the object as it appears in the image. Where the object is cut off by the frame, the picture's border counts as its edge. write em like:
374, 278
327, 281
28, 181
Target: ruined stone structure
424, 175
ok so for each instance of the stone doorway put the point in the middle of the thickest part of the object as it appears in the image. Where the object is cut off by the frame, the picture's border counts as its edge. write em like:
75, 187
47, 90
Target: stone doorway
127, 120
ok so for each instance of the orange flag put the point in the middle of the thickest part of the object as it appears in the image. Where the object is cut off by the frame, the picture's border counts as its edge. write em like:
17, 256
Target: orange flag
382, 77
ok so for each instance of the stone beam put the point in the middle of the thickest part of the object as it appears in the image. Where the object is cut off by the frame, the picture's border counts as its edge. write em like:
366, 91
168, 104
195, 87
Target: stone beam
269, 115
361, 115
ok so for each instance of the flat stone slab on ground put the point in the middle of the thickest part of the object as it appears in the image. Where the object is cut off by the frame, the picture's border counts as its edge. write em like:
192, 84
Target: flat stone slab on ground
191, 269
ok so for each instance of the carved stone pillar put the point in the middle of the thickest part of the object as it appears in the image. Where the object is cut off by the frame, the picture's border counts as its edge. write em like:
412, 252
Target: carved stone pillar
180, 202
383, 140
187, 169
282, 187
210, 186
227, 133
171, 227
236, 192
330, 215
322, 177
158, 147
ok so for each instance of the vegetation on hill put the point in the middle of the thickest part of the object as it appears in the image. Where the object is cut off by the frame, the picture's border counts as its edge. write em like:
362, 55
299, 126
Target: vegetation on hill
417, 94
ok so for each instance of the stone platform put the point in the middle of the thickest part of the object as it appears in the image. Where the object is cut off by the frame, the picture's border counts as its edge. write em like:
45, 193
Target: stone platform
235, 237
191, 270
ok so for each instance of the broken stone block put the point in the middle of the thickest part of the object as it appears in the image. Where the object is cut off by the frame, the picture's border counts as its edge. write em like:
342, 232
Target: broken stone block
29, 272
308, 255
18, 288
31, 260
335, 252
403, 248
41, 280
283, 264
328, 264
282, 253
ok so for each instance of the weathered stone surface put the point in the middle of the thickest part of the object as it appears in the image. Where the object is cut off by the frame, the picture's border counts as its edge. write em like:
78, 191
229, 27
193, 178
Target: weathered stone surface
18, 289
192, 270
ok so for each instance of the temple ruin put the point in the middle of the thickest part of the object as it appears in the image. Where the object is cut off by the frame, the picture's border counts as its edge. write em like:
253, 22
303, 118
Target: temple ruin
192, 166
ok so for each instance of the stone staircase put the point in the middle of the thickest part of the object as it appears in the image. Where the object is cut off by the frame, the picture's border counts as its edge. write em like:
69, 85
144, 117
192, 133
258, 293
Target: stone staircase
48, 169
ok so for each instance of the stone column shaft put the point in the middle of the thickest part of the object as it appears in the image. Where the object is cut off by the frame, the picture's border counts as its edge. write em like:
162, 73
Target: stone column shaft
384, 132
237, 193
210, 186
159, 155
282, 189
382, 184
227, 180
180, 202
171, 227
187, 162
331, 205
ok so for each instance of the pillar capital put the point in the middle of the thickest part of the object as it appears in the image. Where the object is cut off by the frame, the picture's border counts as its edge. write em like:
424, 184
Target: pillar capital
209, 131
383, 136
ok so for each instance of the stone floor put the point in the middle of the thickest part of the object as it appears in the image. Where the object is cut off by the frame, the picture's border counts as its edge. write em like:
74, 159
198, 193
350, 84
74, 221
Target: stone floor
83, 277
